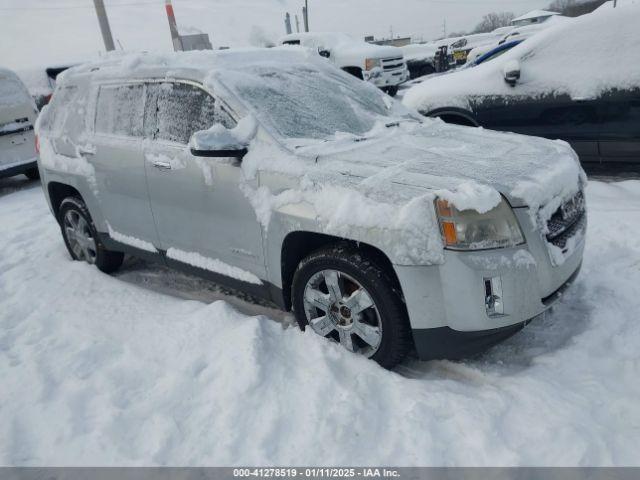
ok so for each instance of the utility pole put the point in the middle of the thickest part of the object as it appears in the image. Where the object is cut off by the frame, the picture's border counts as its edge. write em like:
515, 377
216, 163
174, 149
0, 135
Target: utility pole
104, 25
615, 3
297, 24
173, 27
287, 23
305, 15
444, 28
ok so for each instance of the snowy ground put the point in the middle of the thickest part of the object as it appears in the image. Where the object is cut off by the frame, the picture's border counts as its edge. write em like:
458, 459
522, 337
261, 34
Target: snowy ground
148, 367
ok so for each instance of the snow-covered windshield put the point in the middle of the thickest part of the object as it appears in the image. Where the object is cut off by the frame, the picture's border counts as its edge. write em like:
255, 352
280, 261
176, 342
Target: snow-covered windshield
304, 101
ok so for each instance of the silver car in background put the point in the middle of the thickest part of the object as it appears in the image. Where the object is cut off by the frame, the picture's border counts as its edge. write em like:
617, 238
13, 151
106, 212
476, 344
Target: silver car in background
17, 118
280, 175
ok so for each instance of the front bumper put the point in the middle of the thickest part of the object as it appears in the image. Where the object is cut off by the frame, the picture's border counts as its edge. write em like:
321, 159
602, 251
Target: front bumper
447, 343
387, 78
446, 303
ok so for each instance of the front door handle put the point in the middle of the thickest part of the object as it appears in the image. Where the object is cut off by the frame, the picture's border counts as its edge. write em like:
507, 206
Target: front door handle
160, 165
86, 151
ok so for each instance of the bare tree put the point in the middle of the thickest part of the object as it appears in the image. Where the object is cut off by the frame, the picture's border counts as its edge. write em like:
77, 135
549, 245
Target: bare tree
561, 6
493, 20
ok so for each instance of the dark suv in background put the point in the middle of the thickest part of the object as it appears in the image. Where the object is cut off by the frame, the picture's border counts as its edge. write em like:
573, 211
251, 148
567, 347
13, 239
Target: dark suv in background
567, 83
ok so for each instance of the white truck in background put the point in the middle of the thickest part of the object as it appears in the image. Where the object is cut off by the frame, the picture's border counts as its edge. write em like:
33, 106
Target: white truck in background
384, 66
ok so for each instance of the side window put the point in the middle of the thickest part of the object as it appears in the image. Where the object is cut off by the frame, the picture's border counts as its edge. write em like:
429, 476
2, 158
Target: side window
291, 42
120, 110
175, 111
58, 110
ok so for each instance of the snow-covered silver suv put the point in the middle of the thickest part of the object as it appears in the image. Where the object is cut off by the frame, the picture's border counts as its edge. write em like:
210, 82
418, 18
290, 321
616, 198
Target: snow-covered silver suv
276, 173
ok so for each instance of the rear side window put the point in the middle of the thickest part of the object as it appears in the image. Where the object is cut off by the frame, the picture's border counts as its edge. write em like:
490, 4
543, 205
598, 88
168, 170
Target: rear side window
175, 111
55, 114
120, 110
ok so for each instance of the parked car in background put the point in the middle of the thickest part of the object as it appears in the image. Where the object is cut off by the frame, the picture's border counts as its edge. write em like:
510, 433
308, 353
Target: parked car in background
448, 53
41, 82
571, 82
516, 34
381, 230
494, 53
17, 118
383, 66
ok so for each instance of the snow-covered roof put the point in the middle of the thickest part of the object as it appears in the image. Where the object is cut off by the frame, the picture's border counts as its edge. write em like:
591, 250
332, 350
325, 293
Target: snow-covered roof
200, 63
534, 14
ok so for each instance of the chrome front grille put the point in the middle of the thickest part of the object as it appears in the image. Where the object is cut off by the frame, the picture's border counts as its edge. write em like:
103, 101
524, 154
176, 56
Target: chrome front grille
567, 221
392, 63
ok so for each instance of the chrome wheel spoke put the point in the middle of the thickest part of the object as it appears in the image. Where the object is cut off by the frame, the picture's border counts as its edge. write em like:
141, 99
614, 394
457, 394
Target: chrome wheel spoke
370, 334
71, 233
345, 340
79, 236
77, 251
359, 301
322, 325
317, 299
332, 280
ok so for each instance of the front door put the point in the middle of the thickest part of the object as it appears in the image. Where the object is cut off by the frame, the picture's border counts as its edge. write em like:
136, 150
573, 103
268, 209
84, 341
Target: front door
575, 120
202, 216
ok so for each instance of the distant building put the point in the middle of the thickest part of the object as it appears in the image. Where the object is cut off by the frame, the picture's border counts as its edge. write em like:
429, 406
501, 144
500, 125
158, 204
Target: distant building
394, 42
195, 41
533, 17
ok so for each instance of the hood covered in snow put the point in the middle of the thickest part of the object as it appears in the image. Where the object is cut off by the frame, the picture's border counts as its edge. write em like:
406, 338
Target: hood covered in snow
438, 157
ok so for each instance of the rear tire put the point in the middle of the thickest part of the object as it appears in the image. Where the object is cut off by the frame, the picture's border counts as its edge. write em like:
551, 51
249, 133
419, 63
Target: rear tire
362, 281
81, 237
391, 91
32, 173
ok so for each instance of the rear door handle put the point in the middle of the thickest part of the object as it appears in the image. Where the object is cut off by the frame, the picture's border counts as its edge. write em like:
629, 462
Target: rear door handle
160, 165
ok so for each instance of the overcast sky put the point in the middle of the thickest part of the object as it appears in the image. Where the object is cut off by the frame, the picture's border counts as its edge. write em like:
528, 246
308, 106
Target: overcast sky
41, 32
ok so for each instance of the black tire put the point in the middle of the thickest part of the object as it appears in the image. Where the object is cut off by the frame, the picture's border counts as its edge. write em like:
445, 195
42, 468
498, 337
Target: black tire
396, 340
391, 91
106, 260
32, 173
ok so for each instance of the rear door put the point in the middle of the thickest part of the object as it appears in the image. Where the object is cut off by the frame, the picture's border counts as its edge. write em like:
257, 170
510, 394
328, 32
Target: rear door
116, 155
202, 215
620, 127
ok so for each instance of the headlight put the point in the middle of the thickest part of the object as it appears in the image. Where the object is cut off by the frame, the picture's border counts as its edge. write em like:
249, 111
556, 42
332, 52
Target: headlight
371, 63
470, 230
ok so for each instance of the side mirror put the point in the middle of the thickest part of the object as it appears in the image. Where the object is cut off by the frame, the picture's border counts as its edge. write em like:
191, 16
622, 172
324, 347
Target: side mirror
323, 52
219, 141
511, 72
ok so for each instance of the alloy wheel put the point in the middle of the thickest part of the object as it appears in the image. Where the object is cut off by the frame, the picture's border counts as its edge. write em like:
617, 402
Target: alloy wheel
79, 236
337, 306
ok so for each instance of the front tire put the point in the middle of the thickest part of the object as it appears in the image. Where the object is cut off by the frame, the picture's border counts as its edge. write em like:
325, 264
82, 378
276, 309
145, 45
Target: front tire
349, 297
81, 237
32, 173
